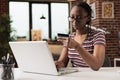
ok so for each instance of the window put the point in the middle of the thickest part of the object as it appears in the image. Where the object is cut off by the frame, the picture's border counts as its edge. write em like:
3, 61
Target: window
59, 14
26, 16
20, 16
39, 10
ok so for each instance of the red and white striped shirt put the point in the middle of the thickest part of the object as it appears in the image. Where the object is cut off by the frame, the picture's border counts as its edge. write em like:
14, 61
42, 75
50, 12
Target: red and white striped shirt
95, 37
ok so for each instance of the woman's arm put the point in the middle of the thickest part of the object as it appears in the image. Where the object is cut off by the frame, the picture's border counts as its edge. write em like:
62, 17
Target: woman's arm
95, 60
63, 59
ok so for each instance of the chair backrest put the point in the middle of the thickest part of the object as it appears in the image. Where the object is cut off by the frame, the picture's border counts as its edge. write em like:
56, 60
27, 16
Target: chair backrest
107, 62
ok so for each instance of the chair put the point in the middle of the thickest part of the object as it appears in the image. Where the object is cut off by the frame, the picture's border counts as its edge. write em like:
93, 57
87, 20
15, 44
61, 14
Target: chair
107, 62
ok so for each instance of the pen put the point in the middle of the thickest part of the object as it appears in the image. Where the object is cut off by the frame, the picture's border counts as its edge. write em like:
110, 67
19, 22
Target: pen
8, 55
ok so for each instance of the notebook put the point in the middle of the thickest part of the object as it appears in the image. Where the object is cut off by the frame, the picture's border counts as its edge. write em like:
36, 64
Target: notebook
35, 57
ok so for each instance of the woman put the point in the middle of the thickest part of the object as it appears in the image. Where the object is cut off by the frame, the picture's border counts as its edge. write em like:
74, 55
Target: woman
85, 47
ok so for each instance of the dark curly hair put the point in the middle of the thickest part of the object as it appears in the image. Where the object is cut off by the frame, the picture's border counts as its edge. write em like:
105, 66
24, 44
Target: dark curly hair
87, 8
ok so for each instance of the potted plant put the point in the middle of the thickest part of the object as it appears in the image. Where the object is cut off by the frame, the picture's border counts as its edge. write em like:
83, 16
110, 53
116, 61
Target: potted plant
5, 31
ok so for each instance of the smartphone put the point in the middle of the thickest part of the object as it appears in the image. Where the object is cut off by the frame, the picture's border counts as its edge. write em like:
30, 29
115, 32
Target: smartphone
62, 35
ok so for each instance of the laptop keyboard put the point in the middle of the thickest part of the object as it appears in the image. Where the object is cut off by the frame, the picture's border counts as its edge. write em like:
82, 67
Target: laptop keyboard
67, 70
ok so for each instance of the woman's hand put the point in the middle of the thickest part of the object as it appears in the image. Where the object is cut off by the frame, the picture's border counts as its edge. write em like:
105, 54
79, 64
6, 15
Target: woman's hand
69, 42
64, 40
59, 64
72, 43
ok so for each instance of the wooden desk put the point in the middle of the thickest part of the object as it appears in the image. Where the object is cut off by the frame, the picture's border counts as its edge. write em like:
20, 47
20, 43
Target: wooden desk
54, 42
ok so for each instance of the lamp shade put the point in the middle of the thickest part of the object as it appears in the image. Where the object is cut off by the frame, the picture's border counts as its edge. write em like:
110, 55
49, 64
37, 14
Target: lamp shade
42, 17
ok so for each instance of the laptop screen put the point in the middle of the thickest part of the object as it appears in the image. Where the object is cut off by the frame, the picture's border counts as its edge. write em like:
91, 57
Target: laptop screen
34, 56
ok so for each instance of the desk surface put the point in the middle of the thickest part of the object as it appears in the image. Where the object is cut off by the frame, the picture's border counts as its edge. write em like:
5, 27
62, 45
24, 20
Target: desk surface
111, 73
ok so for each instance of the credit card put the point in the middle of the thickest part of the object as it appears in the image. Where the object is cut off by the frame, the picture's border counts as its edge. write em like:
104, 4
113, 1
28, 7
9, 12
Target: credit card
62, 35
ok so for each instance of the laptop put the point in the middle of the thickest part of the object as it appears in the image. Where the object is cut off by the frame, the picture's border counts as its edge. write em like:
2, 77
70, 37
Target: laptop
35, 57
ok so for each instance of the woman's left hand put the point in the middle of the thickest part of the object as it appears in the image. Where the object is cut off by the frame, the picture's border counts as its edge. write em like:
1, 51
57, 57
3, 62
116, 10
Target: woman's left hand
72, 43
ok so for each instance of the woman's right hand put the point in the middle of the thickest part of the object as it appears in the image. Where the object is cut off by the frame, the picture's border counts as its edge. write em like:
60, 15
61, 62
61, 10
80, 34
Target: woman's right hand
64, 40
59, 64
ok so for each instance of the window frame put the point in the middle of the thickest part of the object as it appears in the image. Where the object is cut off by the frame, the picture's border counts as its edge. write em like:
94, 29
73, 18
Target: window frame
49, 12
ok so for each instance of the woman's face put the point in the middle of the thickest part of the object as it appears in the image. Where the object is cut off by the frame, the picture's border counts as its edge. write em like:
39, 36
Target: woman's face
78, 17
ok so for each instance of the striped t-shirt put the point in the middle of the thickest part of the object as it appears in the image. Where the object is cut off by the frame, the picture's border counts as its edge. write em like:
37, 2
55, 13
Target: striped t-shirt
95, 37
